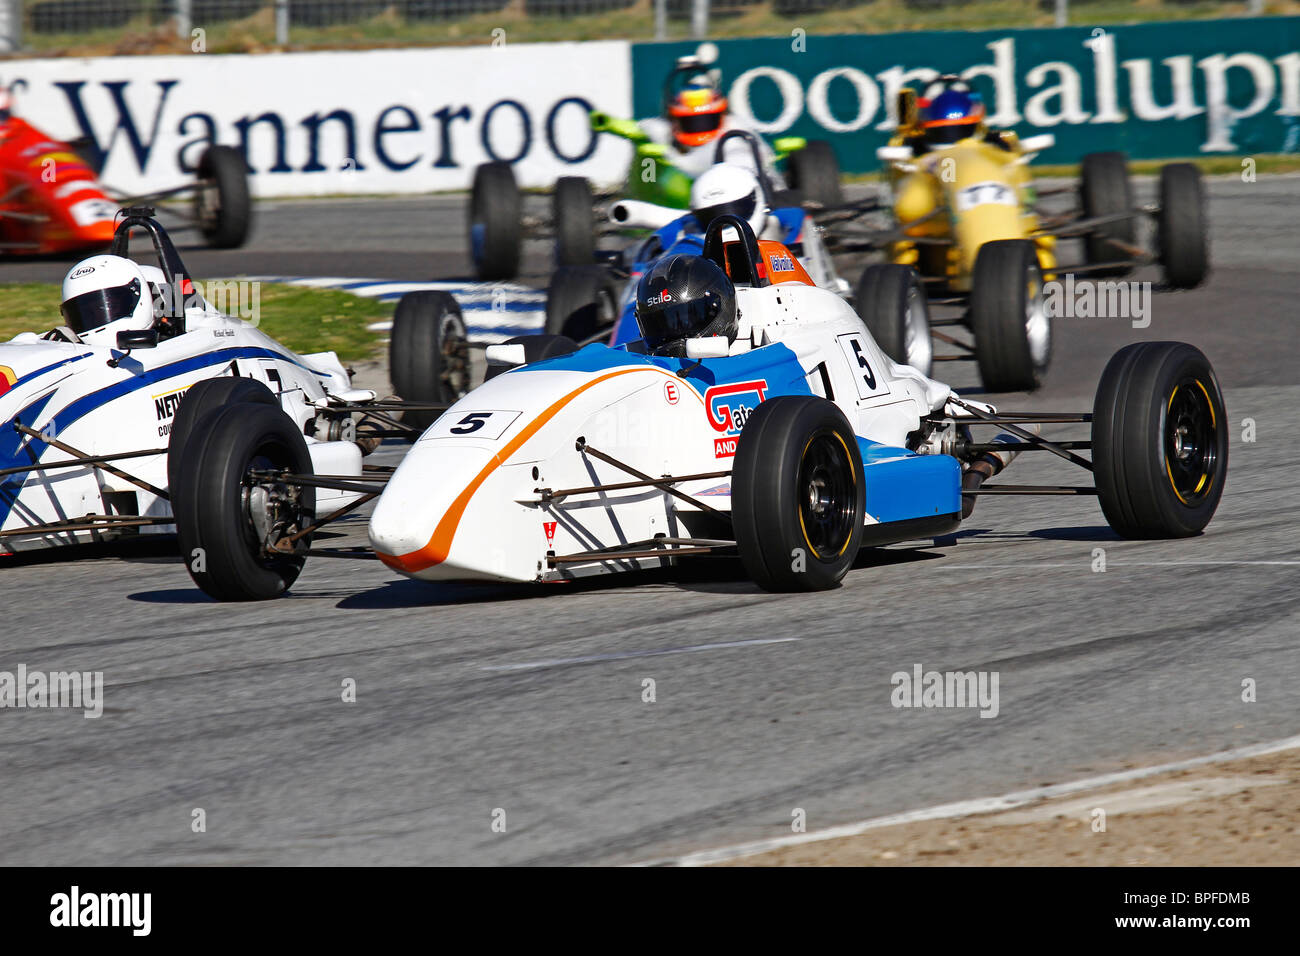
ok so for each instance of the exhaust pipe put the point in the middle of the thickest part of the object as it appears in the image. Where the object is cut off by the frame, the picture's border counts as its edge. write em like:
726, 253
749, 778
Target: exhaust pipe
988, 465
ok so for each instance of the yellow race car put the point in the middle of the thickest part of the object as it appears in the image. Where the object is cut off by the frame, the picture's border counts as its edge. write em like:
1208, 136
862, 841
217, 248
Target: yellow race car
966, 217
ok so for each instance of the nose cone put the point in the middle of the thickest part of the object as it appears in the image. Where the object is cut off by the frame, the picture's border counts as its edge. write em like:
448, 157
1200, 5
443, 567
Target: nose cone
416, 518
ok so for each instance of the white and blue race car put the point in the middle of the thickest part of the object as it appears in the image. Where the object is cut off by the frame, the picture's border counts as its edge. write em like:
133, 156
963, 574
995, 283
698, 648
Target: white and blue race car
791, 441
95, 420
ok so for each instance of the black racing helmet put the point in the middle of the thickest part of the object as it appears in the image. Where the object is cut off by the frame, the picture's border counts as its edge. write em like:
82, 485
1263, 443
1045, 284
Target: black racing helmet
681, 297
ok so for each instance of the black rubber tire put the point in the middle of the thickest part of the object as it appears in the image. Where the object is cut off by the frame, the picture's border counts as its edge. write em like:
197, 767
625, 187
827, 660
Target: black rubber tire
885, 293
999, 300
223, 171
574, 211
768, 485
216, 537
1133, 454
581, 301
1182, 232
536, 348
1105, 190
204, 397
496, 231
815, 172
428, 353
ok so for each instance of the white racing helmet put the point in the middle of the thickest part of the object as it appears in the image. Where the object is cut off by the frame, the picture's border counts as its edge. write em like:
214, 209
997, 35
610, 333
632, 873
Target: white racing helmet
104, 295
729, 189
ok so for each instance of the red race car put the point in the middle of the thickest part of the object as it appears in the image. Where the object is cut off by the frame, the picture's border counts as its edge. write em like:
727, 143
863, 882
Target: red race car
51, 200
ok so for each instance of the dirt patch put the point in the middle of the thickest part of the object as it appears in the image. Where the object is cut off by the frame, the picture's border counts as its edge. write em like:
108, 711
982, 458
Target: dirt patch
1242, 813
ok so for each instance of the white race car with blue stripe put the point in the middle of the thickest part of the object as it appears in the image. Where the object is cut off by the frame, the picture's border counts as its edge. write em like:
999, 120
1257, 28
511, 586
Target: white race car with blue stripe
84, 447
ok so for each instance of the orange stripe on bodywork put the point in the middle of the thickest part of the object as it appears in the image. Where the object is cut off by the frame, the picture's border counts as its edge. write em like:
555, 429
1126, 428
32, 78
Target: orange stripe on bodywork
439, 546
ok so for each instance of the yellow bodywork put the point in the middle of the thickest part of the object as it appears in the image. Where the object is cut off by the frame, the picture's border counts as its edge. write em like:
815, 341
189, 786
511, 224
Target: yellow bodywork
972, 192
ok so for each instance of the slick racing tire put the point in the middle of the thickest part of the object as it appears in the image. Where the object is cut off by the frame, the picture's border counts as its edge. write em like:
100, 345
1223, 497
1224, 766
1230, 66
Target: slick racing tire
199, 400
536, 348
222, 204
1182, 233
581, 302
226, 518
496, 231
815, 173
1159, 441
573, 209
892, 303
797, 494
428, 354
1013, 332
1105, 190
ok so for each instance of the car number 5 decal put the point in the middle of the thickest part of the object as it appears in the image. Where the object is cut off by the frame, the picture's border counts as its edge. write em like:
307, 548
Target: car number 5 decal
855, 351
489, 425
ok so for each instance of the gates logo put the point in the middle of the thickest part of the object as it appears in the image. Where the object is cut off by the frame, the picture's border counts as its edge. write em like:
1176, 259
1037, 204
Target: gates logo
728, 407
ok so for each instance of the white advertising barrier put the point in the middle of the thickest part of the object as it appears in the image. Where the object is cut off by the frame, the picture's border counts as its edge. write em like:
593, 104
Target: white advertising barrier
377, 121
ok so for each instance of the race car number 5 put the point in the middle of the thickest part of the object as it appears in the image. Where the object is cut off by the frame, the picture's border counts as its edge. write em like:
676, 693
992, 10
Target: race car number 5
855, 352
489, 425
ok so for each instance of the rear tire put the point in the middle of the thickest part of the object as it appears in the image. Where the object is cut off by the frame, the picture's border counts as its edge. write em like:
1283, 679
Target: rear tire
1013, 332
892, 303
1182, 233
814, 171
1159, 441
222, 203
1105, 190
224, 523
573, 209
581, 301
536, 348
428, 353
797, 494
495, 222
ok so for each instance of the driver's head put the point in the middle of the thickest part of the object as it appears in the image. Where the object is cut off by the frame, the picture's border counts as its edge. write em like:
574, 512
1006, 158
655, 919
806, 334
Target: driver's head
953, 113
726, 189
104, 295
696, 113
682, 297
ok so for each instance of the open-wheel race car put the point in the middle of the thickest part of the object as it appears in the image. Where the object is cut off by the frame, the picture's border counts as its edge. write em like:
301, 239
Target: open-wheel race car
52, 202
100, 412
965, 213
756, 417
669, 153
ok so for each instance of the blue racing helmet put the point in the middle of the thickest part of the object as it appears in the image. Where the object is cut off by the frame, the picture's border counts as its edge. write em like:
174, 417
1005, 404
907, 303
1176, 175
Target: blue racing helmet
952, 115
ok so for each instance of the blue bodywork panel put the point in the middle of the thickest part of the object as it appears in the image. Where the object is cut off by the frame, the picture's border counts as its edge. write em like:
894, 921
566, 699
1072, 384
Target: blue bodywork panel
900, 486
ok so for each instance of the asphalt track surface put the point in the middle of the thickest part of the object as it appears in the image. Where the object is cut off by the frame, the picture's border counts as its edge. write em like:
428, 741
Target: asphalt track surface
473, 700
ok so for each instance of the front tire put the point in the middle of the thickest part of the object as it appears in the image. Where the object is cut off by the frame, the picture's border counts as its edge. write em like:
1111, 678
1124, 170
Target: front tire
892, 303
1159, 441
222, 203
496, 232
1013, 332
227, 518
1181, 230
814, 172
205, 397
428, 353
573, 209
797, 494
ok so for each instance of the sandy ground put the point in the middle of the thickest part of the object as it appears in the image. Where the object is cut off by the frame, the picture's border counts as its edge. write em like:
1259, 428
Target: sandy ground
1243, 813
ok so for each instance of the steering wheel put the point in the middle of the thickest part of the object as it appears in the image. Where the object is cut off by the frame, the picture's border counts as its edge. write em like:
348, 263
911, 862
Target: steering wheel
738, 258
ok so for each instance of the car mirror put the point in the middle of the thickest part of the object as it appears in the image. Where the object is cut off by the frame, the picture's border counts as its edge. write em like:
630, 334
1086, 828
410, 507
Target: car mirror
894, 154
789, 144
137, 339
710, 346
510, 354
653, 150
1036, 144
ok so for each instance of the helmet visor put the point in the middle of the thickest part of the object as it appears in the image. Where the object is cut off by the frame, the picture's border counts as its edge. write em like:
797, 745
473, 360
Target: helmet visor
699, 122
662, 322
743, 207
98, 307
947, 135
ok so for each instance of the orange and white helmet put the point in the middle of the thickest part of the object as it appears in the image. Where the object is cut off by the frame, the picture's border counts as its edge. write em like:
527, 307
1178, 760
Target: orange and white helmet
696, 113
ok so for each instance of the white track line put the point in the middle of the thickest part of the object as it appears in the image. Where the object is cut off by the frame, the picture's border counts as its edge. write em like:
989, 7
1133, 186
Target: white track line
625, 655
965, 808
